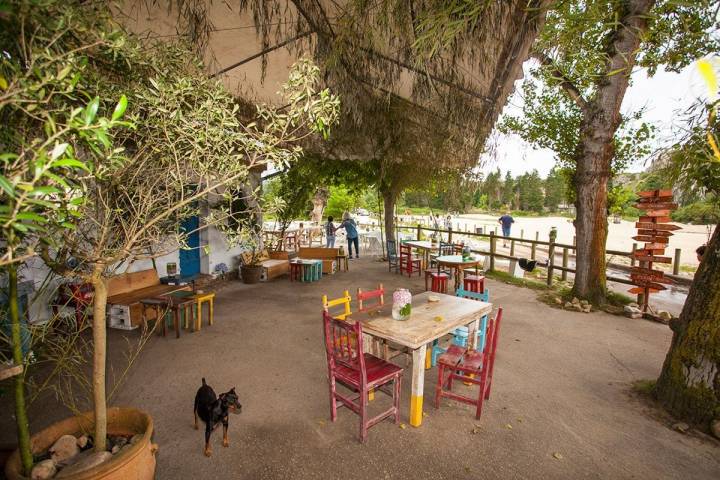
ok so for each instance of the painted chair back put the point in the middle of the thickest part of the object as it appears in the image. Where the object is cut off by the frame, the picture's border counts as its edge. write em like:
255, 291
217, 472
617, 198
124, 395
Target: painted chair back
461, 333
343, 345
392, 249
493, 334
446, 249
378, 293
480, 297
343, 302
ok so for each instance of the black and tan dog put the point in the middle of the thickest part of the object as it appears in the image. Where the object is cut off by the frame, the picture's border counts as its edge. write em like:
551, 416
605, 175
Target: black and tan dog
213, 411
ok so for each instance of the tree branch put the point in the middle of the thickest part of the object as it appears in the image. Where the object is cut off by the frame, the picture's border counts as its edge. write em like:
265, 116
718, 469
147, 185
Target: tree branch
564, 82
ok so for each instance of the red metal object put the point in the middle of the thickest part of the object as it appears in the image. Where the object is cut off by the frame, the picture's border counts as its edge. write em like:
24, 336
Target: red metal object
407, 262
470, 366
439, 282
358, 371
474, 283
378, 293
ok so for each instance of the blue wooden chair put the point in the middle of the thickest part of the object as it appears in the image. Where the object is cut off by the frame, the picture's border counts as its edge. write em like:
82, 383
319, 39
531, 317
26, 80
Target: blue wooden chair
392, 256
460, 335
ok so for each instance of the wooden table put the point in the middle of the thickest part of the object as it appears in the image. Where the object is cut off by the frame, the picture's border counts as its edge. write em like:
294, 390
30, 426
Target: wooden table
174, 304
426, 247
457, 263
421, 329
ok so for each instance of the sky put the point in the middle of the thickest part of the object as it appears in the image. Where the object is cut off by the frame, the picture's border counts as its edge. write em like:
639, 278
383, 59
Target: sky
664, 96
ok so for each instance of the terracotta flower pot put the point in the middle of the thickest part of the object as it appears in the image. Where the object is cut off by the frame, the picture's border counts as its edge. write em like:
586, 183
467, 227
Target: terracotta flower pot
135, 463
251, 273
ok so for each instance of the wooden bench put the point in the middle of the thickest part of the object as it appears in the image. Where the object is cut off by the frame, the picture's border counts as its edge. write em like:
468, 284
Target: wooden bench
275, 264
327, 255
125, 292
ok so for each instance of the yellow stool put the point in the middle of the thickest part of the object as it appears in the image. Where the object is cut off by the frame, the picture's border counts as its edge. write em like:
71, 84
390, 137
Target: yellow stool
208, 297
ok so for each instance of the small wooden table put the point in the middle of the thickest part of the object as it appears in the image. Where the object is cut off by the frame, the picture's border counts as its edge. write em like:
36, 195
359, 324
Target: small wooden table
457, 263
422, 328
311, 269
173, 303
426, 247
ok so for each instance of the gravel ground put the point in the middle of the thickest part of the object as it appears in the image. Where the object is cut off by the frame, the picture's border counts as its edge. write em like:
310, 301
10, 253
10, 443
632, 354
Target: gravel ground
562, 405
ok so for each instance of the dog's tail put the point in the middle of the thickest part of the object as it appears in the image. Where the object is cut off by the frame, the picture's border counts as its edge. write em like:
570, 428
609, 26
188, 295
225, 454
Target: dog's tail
204, 384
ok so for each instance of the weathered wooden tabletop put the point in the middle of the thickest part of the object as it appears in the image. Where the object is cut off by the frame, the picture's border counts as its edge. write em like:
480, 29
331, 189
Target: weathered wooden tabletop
428, 320
422, 244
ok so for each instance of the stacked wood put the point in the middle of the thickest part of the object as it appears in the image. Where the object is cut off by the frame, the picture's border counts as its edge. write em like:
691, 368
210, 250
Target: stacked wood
654, 230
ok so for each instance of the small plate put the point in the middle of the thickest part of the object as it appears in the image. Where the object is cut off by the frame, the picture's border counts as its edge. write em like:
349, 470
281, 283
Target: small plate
433, 298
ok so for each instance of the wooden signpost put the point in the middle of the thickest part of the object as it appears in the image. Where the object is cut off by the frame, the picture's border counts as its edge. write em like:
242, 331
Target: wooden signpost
656, 233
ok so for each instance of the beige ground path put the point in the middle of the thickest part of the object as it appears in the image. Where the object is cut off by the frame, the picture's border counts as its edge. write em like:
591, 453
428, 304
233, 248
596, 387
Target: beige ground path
562, 386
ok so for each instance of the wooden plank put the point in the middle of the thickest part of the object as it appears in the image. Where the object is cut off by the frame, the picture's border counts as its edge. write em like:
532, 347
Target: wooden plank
657, 248
649, 200
657, 206
637, 290
8, 371
650, 251
655, 193
647, 271
651, 238
658, 214
653, 285
656, 226
648, 219
655, 233
128, 282
637, 278
651, 258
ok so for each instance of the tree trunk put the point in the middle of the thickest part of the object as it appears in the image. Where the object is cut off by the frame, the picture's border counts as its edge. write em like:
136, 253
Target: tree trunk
319, 202
99, 357
601, 119
689, 384
389, 198
21, 418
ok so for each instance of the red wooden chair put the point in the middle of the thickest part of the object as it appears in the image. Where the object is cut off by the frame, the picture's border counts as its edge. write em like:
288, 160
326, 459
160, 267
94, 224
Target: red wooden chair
379, 293
408, 262
358, 371
470, 366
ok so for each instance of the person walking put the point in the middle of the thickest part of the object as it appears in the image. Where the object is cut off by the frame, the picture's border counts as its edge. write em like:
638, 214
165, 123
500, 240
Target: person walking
352, 235
506, 221
330, 233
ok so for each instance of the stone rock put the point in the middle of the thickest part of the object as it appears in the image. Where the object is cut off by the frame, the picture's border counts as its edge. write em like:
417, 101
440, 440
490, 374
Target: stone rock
92, 460
584, 303
82, 441
578, 307
632, 312
568, 305
633, 304
681, 427
587, 309
665, 315
715, 427
64, 448
115, 449
43, 470
575, 301
136, 438
558, 300
119, 441
77, 458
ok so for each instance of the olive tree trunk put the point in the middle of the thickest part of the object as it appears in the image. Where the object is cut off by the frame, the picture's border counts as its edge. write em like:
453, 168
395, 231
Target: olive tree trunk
389, 199
689, 384
596, 149
21, 417
99, 356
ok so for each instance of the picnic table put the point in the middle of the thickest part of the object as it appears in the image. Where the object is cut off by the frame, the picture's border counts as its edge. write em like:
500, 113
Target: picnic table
457, 263
428, 322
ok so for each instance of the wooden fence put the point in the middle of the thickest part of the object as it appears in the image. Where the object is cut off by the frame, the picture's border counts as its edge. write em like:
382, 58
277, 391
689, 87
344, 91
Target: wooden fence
553, 248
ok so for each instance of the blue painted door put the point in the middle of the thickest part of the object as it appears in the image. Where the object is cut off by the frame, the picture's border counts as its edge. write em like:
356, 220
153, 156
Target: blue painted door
190, 258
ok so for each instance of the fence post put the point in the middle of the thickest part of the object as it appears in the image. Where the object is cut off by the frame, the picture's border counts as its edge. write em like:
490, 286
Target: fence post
492, 251
534, 246
551, 263
632, 259
450, 234
565, 264
522, 233
418, 232
512, 248
676, 264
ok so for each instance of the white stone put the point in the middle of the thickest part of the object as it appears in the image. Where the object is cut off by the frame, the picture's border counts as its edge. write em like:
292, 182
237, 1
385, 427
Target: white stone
43, 470
64, 448
93, 460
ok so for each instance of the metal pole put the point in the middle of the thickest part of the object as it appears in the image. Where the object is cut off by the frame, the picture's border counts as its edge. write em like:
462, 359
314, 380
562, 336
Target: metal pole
676, 263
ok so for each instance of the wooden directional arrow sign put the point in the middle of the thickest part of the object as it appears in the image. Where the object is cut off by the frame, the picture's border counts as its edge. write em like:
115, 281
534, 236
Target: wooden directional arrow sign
638, 279
651, 258
655, 233
655, 193
645, 238
655, 220
659, 214
654, 285
656, 226
637, 290
647, 271
656, 206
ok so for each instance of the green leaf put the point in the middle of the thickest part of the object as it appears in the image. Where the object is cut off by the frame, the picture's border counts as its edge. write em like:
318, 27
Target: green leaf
91, 111
45, 190
30, 216
3, 83
70, 162
120, 108
7, 186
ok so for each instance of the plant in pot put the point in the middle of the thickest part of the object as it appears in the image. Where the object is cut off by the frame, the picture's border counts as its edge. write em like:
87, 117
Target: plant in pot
116, 215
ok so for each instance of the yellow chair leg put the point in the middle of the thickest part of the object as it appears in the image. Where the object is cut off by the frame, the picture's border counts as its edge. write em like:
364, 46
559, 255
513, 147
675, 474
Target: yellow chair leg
210, 319
371, 395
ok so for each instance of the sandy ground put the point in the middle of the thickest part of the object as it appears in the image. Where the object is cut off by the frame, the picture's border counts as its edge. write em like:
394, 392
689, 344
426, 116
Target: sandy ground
562, 386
